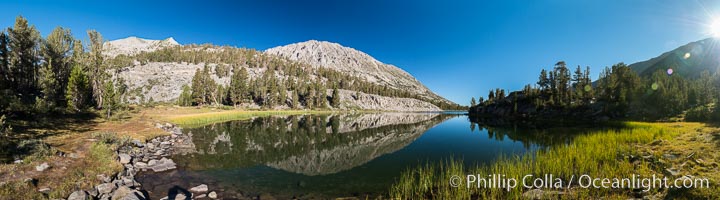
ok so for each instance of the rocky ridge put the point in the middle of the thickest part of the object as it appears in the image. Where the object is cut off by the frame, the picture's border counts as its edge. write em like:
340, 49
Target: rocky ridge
163, 81
351, 61
134, 45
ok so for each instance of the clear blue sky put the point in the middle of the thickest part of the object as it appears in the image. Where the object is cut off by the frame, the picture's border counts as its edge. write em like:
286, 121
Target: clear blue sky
459, 49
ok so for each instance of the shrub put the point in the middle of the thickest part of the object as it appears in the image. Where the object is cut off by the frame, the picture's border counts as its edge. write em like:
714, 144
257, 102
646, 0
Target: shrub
699, 114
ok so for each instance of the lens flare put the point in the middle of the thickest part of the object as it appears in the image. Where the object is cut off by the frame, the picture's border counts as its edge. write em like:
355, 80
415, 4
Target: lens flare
670, 71
715, 28
654, 86
686, 56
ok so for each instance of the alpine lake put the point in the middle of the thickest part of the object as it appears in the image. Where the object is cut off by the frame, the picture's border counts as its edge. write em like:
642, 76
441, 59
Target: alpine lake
334, 155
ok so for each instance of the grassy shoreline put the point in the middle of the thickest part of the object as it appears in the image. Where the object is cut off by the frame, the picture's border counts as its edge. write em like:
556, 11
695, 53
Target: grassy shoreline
200, 119
609, 153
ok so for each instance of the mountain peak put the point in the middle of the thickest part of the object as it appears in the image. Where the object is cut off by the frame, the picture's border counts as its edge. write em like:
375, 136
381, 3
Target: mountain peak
133, 45
171, 40
352, 62
689, 60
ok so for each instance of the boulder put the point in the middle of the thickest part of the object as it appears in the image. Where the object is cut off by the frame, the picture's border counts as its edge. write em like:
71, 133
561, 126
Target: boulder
42, 167
199, 189
44, 190
138, 143
179, 196
79, 195
141, 165
125, 193
135, 195
104, 178
163, 164
124, 158
121, 192
105, 188
73, 155
213, 195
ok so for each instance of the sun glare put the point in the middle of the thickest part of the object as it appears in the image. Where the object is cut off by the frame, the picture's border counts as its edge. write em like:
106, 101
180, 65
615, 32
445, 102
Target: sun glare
715, 28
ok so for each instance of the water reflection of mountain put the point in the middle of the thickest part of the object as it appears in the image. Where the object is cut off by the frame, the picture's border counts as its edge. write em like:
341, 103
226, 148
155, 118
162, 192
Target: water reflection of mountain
305, 144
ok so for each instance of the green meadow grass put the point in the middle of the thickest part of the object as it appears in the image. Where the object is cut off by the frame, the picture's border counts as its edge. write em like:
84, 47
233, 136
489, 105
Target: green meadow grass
598, 154
202, 119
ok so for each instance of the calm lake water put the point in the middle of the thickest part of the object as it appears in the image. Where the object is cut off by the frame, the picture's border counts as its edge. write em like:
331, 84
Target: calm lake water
324, 156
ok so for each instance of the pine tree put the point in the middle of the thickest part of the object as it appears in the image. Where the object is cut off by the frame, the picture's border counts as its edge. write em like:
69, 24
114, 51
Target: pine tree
578, 84
473, 103
5, 72
78, 91
587, 86
185, 98
209, 85
562, 78
23, 40
109, 98
78, 56
96, 67
238, 86
310, 97
296, 99
49, 85
321, 95
218, 94
335, 97
56, 52
282, 96
543, 81
197, 88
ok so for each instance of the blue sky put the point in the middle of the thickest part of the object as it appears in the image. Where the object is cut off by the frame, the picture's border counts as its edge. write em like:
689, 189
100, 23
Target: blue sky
459, 49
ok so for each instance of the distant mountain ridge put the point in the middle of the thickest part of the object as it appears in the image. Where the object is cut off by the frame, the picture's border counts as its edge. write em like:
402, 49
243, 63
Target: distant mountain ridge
150, 79
133, 45
688, 60
354, 62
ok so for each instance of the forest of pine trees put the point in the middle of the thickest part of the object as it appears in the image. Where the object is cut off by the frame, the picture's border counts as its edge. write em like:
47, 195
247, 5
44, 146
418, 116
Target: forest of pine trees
55, 75
619, 92
282, 83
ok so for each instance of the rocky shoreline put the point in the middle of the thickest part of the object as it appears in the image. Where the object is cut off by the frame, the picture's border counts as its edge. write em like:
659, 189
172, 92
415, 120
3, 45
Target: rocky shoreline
136, 157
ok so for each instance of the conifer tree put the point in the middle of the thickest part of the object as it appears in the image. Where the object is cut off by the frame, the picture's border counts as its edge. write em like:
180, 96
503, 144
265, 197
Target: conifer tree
49, 85
23, 40
56, 51
198, 96
109, 98
543, 81
96, 67
282, 96
238, 86
185, 98
78, 89
335, 97
296, 99
5, 72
